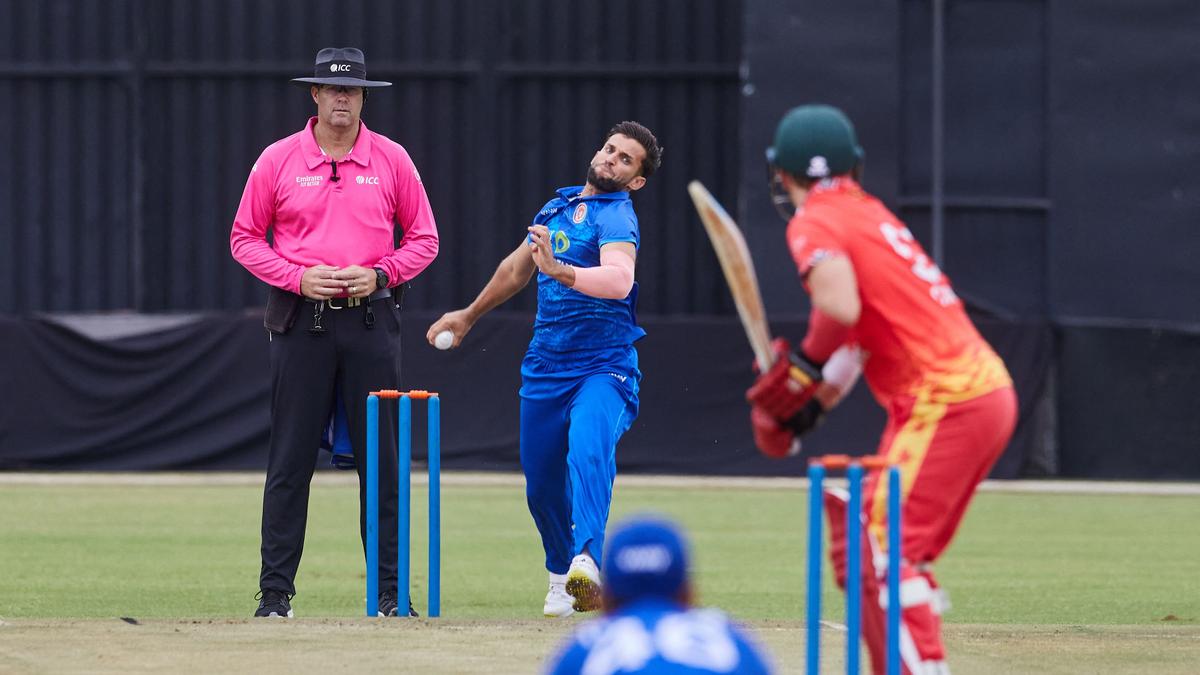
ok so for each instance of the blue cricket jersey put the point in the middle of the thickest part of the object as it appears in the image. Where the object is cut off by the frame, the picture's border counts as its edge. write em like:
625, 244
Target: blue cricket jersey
567, 320
659, 637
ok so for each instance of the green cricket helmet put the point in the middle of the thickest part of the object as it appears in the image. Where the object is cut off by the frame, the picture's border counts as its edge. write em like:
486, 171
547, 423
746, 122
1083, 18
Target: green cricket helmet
817, 141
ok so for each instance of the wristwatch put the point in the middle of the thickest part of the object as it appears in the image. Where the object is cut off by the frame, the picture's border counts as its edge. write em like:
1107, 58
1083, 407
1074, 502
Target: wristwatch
381, 279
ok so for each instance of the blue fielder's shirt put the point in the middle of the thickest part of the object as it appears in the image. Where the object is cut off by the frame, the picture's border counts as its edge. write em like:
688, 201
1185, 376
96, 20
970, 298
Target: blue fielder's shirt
657, 637
567, 320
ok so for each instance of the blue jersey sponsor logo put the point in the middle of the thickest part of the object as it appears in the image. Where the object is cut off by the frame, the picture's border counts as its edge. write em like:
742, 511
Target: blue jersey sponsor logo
561, 242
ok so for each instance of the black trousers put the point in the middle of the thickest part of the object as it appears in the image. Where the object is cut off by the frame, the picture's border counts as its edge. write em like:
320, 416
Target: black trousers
305, 369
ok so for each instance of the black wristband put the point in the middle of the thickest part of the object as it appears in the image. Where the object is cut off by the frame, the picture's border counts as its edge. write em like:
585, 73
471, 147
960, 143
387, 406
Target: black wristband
381, 279
809, 418
810, 368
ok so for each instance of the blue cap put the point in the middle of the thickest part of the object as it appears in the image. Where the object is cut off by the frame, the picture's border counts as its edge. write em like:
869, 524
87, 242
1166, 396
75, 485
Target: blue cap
645, 556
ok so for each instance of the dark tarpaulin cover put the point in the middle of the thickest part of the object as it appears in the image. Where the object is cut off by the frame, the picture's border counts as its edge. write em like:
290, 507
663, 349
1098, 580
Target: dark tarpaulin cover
190, 397
196, 396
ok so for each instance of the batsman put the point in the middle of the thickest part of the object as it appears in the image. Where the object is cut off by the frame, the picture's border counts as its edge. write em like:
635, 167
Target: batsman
950, 403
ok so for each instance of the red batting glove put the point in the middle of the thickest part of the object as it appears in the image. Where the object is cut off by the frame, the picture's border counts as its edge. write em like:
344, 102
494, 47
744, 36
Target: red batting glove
771, 437
784, 390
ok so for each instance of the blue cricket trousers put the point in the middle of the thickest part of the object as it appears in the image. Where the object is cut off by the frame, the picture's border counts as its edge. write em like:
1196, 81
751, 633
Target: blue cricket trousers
574, 408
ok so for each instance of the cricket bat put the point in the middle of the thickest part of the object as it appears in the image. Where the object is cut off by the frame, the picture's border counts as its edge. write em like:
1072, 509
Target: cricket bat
738, 267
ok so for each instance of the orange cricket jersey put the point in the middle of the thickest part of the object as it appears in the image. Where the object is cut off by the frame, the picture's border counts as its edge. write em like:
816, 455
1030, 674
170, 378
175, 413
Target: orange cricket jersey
918, 338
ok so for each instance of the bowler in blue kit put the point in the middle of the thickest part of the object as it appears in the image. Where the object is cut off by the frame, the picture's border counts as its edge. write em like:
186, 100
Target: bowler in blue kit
580, 374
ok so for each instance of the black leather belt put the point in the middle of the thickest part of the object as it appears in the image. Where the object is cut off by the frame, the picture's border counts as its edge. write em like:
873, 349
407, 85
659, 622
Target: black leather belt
342, 303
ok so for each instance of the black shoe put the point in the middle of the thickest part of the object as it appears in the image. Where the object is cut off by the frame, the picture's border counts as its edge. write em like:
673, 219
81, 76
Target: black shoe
388, 605
273, 603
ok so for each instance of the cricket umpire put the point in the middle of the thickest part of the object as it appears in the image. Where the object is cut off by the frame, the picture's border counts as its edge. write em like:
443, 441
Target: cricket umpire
331, 196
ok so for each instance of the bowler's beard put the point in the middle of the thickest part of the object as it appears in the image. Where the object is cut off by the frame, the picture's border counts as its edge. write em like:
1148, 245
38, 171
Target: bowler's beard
604, 184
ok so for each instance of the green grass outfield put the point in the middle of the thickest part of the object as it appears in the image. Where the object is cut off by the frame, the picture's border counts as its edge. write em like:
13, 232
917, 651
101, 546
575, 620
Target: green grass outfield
1040, 582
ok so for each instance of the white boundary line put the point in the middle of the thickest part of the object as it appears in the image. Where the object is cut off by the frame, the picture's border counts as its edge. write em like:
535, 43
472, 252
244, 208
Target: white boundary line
326, 477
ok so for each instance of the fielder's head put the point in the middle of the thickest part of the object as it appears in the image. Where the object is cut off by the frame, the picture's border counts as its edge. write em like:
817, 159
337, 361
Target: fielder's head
812, 142
629, 156
645, 557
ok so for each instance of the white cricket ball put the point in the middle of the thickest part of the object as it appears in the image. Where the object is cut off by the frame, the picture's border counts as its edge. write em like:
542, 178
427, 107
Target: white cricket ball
443, 340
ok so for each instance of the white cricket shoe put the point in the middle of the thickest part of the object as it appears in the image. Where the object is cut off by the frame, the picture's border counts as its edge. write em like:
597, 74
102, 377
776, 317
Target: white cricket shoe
559, 603
583, 583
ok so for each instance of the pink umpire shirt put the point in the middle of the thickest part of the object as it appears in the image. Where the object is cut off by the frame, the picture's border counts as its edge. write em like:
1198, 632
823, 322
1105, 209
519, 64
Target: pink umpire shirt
317, 221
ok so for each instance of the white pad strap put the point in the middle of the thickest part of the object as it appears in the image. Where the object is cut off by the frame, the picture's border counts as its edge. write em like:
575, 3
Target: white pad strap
913, 592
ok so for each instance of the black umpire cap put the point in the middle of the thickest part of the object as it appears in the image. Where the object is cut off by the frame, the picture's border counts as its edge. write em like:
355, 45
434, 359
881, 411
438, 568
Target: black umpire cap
341, 66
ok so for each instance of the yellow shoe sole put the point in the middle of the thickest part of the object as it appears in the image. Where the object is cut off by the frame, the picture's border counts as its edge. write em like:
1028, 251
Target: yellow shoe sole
585, 591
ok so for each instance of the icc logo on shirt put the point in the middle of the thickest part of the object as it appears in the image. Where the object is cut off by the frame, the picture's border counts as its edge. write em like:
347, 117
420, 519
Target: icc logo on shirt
368, 180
